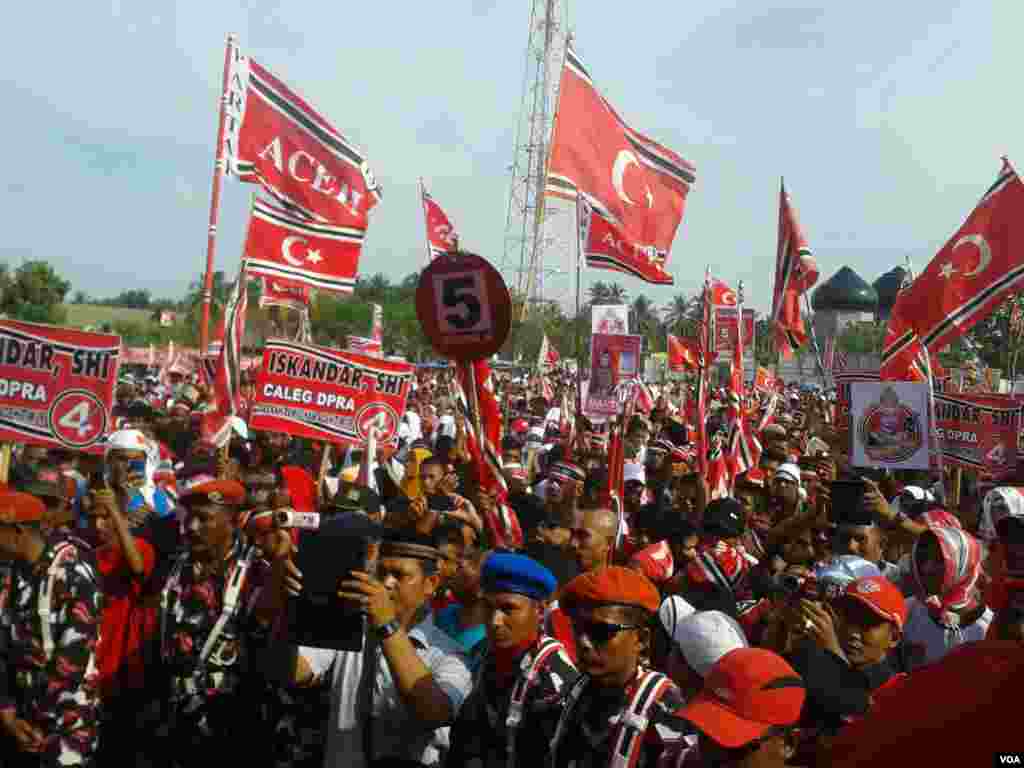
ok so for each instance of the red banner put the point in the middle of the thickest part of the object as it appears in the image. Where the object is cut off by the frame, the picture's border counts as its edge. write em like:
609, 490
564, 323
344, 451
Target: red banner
725, 326
606, 246
613, 361
330, 395
56, 384
979, 431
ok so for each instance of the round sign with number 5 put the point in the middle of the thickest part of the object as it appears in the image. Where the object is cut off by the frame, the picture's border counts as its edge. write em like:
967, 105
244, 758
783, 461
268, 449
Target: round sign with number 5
463, 306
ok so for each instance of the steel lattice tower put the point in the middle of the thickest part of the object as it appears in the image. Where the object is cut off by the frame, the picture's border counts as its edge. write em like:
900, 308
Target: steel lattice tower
530, 242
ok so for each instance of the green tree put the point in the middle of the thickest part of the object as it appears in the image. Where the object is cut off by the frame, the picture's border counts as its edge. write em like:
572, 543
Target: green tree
34, 293
645, 321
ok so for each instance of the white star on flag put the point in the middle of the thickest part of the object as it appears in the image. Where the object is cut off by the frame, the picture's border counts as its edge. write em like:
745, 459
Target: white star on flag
314, 256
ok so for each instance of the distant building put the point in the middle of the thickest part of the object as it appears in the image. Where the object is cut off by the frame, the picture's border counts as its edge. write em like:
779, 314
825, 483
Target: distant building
840, 301
887, 286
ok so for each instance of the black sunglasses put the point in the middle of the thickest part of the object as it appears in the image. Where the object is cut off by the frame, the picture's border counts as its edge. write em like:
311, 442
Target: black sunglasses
600, 632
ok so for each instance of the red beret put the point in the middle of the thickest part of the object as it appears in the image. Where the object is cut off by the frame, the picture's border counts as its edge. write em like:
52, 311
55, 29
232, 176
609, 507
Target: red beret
20, 508
613, 585
230, 493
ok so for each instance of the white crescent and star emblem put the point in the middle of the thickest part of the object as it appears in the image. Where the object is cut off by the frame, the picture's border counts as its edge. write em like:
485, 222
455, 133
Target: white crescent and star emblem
984, 253
623, 160
286, 251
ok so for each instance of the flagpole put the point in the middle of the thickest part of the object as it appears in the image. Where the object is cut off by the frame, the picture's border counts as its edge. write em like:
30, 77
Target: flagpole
426, 224
219, 168
814, 342
578, 334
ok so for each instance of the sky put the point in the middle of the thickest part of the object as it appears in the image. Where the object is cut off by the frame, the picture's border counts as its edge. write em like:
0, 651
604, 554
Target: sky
887, 120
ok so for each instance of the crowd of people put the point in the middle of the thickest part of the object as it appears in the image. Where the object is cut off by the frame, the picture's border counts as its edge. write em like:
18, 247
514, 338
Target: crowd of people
147, 594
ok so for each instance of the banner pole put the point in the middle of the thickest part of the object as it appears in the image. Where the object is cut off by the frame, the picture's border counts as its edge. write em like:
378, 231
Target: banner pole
219, 168
5, 462
426, 224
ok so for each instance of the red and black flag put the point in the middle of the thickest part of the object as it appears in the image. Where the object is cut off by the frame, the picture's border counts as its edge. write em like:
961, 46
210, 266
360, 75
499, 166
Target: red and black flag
977, 268
632, 181
285, 247
283, 143
795, 273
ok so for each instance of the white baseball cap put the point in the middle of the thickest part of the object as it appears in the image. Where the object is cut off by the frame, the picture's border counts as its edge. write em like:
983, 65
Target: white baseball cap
707, 636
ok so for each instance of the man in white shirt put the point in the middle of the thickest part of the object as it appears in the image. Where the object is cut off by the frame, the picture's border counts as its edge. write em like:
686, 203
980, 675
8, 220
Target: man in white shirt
394, 700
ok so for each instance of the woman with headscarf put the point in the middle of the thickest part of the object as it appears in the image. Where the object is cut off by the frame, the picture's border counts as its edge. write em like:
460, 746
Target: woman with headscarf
947, 609
131, 464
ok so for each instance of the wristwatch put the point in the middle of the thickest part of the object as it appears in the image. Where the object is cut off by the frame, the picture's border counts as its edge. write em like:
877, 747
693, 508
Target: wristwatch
384, 631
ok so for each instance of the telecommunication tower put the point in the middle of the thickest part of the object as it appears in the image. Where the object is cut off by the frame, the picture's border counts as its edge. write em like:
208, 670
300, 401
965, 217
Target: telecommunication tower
531, 242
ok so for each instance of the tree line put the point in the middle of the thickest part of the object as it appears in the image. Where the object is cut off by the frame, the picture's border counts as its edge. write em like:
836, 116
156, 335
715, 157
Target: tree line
34, 292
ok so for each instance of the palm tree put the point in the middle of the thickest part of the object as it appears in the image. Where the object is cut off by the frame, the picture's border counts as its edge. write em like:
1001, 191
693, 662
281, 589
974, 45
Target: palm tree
682, 314
617, 294
598, 293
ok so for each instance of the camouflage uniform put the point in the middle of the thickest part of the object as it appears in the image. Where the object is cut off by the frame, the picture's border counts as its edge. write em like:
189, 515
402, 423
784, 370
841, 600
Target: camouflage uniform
54, 689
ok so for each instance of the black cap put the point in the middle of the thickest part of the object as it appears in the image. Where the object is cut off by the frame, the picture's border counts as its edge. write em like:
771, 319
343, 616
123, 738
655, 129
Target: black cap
724, 517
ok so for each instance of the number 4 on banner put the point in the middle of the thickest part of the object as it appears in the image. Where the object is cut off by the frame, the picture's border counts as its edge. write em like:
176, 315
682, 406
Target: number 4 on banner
78, 418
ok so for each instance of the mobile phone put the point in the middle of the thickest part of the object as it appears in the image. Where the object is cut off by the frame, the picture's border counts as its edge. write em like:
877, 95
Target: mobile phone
137, 466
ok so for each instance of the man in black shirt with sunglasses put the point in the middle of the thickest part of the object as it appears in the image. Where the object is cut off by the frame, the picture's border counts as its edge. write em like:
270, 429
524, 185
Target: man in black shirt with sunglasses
619, 714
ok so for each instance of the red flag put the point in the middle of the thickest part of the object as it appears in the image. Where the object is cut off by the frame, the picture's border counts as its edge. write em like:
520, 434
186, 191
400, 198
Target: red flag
682, 353
363, 345
980, 265
721, 294
216, 426
633, 181
299, 157
280, 293
606, 246
795, 272
441, 234
283, 246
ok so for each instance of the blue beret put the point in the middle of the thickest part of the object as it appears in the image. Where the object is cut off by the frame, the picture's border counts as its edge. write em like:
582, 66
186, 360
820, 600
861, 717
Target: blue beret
519, 574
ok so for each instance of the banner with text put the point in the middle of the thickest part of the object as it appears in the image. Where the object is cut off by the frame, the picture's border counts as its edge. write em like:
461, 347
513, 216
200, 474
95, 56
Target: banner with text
56, 384
326, 394
725, 328
979, 431
614, 359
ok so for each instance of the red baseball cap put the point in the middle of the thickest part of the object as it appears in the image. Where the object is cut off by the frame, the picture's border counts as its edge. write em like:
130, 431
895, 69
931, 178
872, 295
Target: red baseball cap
881, 597
746, 693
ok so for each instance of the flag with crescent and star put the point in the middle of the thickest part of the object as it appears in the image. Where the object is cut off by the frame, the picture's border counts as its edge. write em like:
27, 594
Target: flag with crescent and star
281, 142
980, 265
441, 234
796, 272
287, 248
632, 181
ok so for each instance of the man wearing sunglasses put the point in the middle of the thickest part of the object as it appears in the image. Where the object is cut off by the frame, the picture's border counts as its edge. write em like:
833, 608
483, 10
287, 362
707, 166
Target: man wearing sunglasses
618, 712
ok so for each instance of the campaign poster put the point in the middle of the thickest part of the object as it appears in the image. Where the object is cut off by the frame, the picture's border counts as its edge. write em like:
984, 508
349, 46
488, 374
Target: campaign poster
889, 424
978, 432
330, 395
56, 385
614, 359
609, 318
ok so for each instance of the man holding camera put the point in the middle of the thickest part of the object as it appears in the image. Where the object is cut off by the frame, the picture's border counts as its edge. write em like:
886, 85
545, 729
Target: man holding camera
391, 703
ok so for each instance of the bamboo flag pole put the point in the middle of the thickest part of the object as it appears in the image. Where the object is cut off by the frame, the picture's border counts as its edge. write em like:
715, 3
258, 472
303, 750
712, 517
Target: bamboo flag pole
5, 462
219, 168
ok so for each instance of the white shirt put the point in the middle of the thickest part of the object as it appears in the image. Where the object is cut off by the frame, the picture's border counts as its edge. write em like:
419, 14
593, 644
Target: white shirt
928, 641
395, 732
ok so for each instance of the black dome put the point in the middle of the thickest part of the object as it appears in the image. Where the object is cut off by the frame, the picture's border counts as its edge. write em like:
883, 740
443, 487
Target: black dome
845, 291
888, 285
